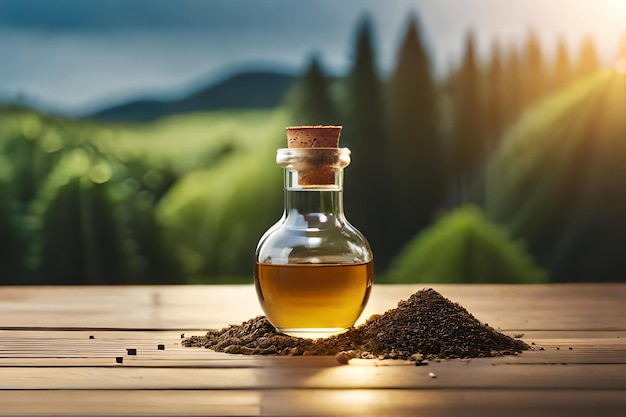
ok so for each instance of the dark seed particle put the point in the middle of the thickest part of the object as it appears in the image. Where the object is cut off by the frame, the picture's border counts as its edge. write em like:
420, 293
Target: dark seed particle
427, 324
119, 359
182, 335
161, 347
571, 348
558, 348
131, 351
91, 337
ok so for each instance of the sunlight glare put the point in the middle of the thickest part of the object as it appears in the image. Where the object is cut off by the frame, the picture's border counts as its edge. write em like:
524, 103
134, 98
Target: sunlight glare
620, 66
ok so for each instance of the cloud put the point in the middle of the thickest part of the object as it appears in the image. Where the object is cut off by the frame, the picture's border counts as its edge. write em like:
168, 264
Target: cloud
167, 15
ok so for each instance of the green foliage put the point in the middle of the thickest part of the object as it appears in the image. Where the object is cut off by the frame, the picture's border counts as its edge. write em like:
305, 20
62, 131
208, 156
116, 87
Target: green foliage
417, 162
497, 94
310, 101
469, 147
535, 74
558, 180
365, 133
90, 212
217, 215
12, 246
464, 247
186, 198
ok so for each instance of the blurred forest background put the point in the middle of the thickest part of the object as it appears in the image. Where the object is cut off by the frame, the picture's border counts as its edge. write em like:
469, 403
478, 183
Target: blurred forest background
507, 168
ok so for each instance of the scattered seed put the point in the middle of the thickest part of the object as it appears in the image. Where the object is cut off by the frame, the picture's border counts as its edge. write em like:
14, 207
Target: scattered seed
541, 348
131, 351
119, 359
532, 343
558, 348
571, 348
342, 358
91, 337
518, 335
161, 347
432, 375
182, 335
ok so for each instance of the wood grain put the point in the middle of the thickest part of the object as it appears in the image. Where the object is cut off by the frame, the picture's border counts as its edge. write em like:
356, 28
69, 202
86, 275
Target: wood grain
593, 307
323, 402
49, 365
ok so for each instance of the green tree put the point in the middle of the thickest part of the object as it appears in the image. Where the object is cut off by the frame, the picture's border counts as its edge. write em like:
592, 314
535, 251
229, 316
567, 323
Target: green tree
534, 70
558, 182
416, 155
310, 101
464, 247
12, 245
495, 120
80, 240
469, 145
365, 134
515, 85
562, 68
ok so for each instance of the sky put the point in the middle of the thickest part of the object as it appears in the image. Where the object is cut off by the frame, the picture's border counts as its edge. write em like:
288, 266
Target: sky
76, 56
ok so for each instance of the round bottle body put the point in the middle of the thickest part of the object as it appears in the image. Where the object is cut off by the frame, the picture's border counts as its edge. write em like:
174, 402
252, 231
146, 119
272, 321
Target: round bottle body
314, 270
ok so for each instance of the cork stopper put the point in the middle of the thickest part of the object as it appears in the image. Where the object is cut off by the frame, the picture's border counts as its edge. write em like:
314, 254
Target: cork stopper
319, 171
313, 136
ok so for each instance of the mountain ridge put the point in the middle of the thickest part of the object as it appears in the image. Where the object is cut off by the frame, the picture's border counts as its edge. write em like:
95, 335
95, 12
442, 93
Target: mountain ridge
254, 89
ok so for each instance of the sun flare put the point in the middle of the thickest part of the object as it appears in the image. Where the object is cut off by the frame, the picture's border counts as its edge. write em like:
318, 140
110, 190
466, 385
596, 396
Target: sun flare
620, 66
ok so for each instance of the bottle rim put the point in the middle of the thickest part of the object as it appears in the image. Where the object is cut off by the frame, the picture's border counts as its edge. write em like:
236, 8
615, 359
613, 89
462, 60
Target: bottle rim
301, 158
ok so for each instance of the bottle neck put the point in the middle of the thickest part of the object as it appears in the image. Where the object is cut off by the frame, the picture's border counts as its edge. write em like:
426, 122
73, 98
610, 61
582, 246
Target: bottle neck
313, 186
318, 206
314, 201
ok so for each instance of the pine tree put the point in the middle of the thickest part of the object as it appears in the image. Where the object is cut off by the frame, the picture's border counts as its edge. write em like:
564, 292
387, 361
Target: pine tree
469, 145
417, 162
562, 68
310, 101
496, 120
364, 133
588, 60
81, 237
534, 71
515, 86
12, 244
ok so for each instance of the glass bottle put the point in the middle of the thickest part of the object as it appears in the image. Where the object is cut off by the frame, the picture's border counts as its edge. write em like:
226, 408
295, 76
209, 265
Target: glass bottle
314, 270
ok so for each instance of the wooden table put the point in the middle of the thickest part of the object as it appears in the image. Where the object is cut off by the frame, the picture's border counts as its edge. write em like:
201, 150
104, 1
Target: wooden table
51, 365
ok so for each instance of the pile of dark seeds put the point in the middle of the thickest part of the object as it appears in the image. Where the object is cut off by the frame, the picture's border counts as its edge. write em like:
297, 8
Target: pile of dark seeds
426, 326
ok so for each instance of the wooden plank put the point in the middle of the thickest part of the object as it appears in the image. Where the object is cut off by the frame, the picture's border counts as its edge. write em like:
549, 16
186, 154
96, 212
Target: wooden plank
594, 307
588, 351
74, 348
127, 403
434, 403
473, 374
322, 402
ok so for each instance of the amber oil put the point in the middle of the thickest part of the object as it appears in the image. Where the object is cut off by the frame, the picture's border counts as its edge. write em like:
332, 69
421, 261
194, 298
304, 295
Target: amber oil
313, 300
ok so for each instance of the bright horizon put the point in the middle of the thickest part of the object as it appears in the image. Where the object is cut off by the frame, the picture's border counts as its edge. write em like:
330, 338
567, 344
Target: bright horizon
68, 56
